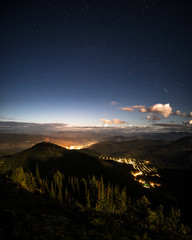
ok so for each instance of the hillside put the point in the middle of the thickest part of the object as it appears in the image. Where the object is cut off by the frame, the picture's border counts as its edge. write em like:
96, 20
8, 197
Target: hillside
34, 216
134, 147
102, 193
162, 153
51, 157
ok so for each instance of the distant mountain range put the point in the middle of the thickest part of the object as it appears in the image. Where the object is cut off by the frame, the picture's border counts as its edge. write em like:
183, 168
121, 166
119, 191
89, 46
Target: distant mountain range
12, 143
151, 136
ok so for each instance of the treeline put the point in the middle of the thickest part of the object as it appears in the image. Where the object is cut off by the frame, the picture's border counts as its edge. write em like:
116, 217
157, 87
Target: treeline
94, 194
85, 193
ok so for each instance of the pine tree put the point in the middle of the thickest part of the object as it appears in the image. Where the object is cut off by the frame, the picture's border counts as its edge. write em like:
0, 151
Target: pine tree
52, 192
103, 196
31, 184
120, 200
93, 190
123, 200
18, 176
58, 179
143, 209
111, 200
83, 191
60, 196
66, 195
108, 192
46, 187
98, 204
37, 175
88, 203
77, 187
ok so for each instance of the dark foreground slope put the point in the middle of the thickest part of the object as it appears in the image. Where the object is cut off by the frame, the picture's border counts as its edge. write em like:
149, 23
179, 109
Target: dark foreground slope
33, 216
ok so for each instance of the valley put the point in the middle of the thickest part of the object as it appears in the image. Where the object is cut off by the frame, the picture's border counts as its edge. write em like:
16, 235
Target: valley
144, 172
108, 180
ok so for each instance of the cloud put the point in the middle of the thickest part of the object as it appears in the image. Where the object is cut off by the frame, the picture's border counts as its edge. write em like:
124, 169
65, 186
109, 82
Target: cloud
3, 118
117, 121
178, 113
106, 121
174, 127
128, 109
27, 127
164, 110
114, 103
143, 110
167, 125
182, 114
153, 118
114, 121
138, 106
132, 108
188, 123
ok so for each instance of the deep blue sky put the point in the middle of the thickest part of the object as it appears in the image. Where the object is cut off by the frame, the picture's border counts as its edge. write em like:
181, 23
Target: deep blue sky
81, 62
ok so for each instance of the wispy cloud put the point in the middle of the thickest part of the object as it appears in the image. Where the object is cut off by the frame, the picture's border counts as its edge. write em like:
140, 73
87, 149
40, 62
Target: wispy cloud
114, 121
114, 103
26, 127
132, 108
138, 106
170, 127
3, 118
128, 109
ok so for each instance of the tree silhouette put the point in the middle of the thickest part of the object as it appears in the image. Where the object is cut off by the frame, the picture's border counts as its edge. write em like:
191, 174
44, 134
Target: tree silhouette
18, 176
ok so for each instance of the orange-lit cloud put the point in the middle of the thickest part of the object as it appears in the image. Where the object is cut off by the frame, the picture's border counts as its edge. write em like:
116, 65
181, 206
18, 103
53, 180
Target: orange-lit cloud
138, 106
163, 109
106, 121
128, 109
117, 121
114, 121
132, 108
143, 110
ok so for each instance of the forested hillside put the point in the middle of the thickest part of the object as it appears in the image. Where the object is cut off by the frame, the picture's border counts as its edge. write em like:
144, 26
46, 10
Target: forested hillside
49, 192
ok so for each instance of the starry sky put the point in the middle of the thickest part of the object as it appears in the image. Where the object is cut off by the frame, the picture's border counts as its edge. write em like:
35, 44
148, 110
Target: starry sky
96, 63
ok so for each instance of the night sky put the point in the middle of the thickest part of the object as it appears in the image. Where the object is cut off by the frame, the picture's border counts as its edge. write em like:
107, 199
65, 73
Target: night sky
96, 63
